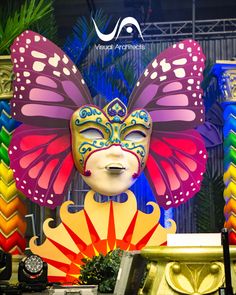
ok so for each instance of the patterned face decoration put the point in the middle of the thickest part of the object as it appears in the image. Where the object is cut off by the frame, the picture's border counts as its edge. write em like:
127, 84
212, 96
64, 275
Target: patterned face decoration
110, 146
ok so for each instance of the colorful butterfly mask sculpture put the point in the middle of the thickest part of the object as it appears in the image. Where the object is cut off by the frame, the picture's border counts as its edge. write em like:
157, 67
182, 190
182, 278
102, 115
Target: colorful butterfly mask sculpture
109, 146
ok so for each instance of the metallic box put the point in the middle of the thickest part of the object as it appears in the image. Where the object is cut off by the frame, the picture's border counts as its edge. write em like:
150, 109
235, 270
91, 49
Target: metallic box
131, 272
74, 290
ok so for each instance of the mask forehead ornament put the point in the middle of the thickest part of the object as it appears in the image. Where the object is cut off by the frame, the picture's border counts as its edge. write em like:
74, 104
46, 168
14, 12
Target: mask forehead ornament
116, 111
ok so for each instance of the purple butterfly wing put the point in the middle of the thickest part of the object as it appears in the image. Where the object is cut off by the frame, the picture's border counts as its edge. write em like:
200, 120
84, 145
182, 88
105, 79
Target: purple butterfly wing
42, 163
169, 88
48, 88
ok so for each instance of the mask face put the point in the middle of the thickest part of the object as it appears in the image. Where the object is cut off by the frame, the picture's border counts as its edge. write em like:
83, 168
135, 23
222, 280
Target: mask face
109, 146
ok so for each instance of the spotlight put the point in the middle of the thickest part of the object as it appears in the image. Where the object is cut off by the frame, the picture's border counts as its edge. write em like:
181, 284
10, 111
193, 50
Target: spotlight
33, 264
32, 273
5, 266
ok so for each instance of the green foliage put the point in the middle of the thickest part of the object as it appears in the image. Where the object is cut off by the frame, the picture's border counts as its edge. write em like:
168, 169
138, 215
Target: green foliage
101, 270
116, 79
148, 56
128, 76
209, 203
207, 74
46, 26
16, 18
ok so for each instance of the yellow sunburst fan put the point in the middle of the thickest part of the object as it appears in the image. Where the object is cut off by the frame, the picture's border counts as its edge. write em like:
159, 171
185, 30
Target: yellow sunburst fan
96, 229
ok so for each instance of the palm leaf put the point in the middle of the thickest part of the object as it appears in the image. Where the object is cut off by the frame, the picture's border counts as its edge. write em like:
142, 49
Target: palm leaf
147, 56
207, 74
14, 19
209, 203
47, 27
115, 80
83, 38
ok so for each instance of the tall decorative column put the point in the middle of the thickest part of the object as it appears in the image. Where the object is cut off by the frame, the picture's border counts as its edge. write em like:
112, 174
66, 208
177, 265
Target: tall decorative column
226, 74
12, 206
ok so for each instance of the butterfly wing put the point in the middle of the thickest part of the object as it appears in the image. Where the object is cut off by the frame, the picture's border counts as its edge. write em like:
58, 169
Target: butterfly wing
48, 88
175, 166
42, 163
169, 88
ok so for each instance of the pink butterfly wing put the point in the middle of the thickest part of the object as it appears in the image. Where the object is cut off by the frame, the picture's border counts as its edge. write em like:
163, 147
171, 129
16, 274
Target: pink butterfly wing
48, 88
175, 166
169, 88
42, 163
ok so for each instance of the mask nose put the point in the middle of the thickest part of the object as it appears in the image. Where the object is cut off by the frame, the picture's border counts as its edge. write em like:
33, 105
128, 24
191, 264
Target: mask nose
115, 135
115, 151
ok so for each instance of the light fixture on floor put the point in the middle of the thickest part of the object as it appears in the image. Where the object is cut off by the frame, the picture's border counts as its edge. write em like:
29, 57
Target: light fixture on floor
32, 273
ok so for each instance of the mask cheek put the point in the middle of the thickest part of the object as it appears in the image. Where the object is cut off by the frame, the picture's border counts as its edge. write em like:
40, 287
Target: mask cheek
146, 149
80, 152
140, 150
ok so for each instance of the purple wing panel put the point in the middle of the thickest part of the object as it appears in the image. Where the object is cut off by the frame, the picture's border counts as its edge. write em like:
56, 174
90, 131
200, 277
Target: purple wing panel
48, 87
42, 163
169, 88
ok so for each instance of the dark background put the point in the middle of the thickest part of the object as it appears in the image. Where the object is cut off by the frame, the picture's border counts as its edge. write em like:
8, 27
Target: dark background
67, 11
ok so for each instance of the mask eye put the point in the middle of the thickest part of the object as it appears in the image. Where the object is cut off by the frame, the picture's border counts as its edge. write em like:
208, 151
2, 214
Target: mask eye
92, 133
135, 136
